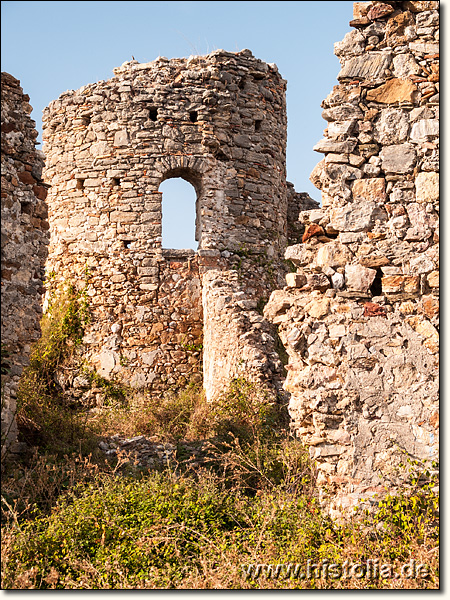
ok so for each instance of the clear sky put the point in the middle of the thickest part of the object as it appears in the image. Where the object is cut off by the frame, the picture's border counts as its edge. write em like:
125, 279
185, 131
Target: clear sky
53, 46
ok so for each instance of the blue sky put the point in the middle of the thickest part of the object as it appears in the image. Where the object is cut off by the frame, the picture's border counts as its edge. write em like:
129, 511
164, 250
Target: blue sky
57, 46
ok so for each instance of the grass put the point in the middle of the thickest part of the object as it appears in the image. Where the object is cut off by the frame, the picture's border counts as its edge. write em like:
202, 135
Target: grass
246, 516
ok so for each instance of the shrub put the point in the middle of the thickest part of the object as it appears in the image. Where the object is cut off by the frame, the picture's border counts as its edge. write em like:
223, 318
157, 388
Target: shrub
44, 417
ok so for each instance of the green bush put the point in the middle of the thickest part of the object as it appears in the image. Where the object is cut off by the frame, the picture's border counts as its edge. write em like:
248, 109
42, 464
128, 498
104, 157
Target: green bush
163, 530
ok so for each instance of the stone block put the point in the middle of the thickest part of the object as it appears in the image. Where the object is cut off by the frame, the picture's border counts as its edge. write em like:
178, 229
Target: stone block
393, 92
416, 6
424, 130
359, 278
327, 145
318, 308
391, 127
394, 284
295, 280
355, 218
298, 254
317, 281
373, 189
405, 65
399, 158
333, 255
371, 66
427, 187
433, 279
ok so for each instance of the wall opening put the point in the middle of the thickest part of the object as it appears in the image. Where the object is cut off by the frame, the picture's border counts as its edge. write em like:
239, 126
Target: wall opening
193, 116
153, 114
179, 214
258, 124
376, 289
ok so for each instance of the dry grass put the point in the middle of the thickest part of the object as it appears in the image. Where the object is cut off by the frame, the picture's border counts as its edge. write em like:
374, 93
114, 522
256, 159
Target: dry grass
72, 521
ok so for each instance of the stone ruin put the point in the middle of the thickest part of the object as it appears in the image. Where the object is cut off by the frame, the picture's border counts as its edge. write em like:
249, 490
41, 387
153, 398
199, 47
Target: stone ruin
359, 317
359, 314
24, 245
161, 317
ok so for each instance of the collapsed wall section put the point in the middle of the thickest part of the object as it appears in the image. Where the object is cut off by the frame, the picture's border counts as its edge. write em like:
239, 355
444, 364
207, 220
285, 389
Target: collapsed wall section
217, 121
359, 316
24, 244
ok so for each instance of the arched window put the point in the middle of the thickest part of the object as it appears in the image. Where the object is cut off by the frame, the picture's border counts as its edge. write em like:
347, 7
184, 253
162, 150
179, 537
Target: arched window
179, 200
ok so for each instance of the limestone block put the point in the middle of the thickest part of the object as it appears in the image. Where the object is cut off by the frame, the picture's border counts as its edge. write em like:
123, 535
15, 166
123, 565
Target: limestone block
295, 280
393, 91
327, 145
100, 149
405, 65
359, 278
391, 127
339, 128
328, 450
318, 308
338, 281
427, 187
353, 43
279, 302
372, 66
298, 254
342, 112
424, 47
333, 255
430, 306
418, 7
107, 362
317, 281
360, 217
433, 279
400, 283
373, 189
424, 130
420, 265
121, 138
399, 158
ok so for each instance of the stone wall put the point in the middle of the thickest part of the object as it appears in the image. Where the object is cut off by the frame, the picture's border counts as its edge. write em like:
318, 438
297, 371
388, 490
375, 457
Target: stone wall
24, 244
359, 317
218, 121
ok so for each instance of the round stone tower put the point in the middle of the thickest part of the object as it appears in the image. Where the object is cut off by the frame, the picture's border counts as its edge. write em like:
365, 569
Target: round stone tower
217, 121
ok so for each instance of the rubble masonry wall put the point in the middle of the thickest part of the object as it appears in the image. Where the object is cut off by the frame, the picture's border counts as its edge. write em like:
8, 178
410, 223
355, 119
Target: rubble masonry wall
24, 244
359, 316
218, 121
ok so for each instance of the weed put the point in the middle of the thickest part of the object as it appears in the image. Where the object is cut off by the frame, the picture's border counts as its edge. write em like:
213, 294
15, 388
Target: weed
44, 416
73, 522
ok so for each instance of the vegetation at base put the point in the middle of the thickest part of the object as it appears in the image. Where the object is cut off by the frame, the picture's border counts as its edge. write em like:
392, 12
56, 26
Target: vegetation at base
73, 520
173, 530
45, 418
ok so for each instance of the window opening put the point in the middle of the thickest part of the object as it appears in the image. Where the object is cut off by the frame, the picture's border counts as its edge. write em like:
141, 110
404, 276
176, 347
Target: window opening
193, 116
80, 184
178, 214
115, 182
153, 114
258, 124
